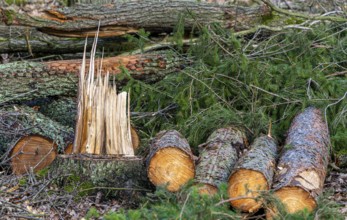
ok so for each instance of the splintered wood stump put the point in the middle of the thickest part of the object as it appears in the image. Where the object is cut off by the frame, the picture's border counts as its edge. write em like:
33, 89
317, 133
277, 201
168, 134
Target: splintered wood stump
170, 160
302, 168
252, 174
32, 152
218, 157
121, 177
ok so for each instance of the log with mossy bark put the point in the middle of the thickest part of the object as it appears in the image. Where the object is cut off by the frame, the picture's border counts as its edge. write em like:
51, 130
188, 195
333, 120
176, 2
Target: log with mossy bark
21, 81
253, 174
302, 168
218, 157
170, 162
128, 17
121, 177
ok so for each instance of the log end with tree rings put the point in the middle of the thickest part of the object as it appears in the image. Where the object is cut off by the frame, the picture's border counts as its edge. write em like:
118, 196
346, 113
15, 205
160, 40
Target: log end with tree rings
207, 189
171, 166
32, 152
247, 185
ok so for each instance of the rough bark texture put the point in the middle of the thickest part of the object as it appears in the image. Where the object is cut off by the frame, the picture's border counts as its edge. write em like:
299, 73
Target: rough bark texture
29, 80
253, 173
19, 121
122, 177
303, 164
219, 155
25, 39
170, 161
129, 17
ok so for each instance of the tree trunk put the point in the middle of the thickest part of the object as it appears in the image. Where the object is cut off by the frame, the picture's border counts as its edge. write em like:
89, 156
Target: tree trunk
252, 174
21, 81
302, 168
170, 161
19, 121
218, 157
121, 177
25, 39
129, 17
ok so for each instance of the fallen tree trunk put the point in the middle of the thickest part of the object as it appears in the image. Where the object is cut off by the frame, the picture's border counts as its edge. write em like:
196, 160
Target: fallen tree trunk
128, 17
170, 162
21, 81
302, 168
218, 157
252, 174
25, 39
121, 177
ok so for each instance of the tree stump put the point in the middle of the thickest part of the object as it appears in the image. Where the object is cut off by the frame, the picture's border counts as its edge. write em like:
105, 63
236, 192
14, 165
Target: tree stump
170, 161
302, 168
124, 177
218, 157
252, 174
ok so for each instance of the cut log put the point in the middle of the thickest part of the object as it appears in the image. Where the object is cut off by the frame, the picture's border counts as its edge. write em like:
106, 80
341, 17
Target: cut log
170, 161
252, 174
218, 157
32, 152
122, 177
128, 17
302, 168
19, 121
28, 80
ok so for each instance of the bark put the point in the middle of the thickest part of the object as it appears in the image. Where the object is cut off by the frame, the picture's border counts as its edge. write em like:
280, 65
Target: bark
25, 39
22, 81
303, 165
19, 121
129, 17
253, 173
218, 157
121, 177
32, 152
170, 161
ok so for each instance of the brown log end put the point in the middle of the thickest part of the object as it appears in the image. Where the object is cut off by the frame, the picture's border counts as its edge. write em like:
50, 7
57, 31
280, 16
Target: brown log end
171, 166
207, 189
246, 184
294, 200
135, 139
32, 151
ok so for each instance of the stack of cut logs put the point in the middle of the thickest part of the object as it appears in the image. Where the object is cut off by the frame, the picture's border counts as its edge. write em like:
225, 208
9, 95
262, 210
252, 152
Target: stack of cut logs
297, 180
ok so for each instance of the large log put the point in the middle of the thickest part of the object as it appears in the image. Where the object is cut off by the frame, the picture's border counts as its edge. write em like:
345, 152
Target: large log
29, 80
128, 17
302, 167
253, 174
121, 177
19, 121
26, 39
170, 162
218, 157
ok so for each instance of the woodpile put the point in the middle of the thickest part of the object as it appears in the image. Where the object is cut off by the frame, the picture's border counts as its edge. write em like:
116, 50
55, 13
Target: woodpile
170, 162
218, 157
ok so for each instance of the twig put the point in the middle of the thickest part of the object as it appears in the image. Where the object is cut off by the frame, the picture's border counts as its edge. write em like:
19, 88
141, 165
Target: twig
270, 93
331, 104
184, 205
336, 74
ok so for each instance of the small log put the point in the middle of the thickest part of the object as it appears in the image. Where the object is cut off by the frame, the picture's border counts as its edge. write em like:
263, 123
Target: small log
32, 152
218, 157
252, 174
130, 16
170, 160
29, 80
302, 167
121, 177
